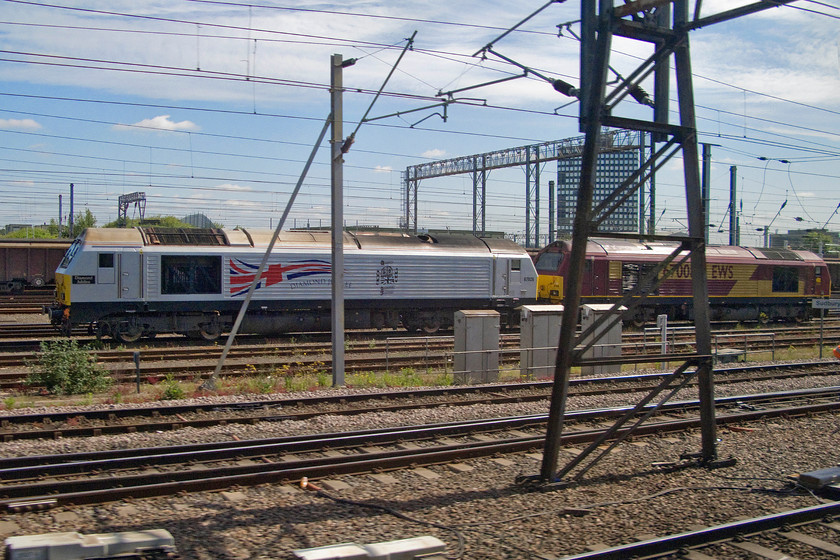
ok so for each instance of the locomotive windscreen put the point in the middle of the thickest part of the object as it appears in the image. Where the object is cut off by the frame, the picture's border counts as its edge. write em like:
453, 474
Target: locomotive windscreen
549, 262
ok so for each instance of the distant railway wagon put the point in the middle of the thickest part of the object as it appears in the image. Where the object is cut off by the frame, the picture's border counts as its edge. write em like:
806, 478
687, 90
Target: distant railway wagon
129, 283
744, 283
29, 262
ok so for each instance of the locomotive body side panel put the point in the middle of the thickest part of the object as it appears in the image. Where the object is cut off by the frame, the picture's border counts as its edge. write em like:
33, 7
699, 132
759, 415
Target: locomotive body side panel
130, 283
743, 283
368, 276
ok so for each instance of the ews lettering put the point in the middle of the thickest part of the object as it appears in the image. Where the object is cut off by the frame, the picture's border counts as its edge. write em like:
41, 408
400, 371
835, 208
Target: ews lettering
722, 272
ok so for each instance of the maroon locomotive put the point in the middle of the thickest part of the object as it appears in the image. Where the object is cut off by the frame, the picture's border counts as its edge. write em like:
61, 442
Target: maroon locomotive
744, 283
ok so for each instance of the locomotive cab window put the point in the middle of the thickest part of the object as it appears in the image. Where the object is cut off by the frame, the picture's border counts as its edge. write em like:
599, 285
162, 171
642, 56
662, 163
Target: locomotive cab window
515, 265
106, 273
71, 252
785, 279
106, 260
549, 262
190, 274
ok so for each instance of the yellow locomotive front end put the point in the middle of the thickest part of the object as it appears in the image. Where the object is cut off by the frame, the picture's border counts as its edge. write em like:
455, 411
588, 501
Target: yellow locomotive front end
59, 310
550, 288
62, 288
552, 266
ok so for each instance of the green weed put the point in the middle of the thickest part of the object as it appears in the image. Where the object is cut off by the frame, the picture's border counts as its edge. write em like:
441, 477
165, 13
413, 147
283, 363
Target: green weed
64, 368
172, 389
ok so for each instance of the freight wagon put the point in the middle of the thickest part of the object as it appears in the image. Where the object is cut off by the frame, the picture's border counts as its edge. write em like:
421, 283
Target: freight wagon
129, 283
29, 262
744, 283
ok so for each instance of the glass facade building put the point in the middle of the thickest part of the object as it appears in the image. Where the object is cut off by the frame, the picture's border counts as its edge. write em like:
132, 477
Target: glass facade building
612, 169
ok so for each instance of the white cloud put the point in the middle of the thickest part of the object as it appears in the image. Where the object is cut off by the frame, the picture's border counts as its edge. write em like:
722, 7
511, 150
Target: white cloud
161, 122
383, 169
232, 187
434, 153
243, 204
20, 124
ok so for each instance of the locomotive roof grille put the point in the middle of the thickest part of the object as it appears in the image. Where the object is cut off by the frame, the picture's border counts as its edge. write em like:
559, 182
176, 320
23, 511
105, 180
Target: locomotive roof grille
781, 254
184, 236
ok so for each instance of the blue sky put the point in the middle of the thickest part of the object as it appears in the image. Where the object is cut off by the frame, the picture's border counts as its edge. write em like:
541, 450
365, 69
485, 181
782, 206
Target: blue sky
213, 107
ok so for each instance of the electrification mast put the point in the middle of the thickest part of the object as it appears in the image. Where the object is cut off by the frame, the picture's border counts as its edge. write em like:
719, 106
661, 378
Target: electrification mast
665, 25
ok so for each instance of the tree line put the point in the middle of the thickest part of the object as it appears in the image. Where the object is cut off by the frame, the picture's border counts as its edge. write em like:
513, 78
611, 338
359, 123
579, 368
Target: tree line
85, 219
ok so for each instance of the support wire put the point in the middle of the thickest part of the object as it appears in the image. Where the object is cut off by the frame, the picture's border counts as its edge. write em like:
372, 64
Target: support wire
210, 384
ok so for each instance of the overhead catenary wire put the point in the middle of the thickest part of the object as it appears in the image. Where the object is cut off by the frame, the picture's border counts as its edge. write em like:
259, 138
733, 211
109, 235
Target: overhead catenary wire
447, 132
249, 29
324, 85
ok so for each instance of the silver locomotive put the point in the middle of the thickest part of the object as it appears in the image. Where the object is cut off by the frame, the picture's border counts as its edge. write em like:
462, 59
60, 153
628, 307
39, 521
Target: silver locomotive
130, 283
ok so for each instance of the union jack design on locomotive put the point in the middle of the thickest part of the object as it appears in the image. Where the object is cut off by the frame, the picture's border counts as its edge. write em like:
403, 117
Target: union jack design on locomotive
242, 273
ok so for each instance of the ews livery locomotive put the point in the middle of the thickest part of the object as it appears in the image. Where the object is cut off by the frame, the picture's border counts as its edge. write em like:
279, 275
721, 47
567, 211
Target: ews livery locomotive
744, 283
129, 283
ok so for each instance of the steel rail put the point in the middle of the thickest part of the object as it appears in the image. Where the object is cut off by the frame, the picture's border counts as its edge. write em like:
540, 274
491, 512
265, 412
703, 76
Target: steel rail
672, 544
752, 371
24, 496
170, 417
77, 462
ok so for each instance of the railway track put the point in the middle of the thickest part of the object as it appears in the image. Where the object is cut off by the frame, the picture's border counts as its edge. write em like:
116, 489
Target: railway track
53, 425
801, 533
42, 482
190, 363
24, 333
432, 351
679, 331
195, 362
30, 301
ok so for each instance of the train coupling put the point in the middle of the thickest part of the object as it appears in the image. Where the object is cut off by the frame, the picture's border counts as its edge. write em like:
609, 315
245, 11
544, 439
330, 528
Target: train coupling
59, 316
56, 312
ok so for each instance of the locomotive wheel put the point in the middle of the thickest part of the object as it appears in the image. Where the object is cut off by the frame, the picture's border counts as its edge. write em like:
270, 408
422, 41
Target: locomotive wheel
410, 322
431, 326
127, 333
209, 332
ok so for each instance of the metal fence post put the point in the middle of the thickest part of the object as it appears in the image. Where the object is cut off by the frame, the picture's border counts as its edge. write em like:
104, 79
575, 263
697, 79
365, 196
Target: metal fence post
137, 369
662, 323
